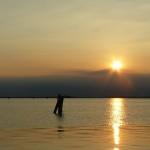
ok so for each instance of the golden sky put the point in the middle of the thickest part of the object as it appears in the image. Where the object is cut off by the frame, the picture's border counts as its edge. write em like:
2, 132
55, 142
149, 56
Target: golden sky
42, 37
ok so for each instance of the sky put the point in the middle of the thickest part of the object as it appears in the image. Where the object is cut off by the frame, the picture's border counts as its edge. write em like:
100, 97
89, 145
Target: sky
44, 37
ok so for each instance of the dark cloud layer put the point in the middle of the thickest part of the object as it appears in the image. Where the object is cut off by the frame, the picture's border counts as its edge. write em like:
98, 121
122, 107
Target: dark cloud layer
81, 84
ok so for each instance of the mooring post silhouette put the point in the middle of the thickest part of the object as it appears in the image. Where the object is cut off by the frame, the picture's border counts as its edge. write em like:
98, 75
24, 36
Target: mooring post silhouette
59, 105
60, 110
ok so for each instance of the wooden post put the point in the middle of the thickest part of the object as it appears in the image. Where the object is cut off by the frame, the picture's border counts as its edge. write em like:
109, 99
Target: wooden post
59, 105
60, 108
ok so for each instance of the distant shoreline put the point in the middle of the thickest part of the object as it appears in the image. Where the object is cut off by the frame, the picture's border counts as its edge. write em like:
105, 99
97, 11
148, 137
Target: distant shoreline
69, 97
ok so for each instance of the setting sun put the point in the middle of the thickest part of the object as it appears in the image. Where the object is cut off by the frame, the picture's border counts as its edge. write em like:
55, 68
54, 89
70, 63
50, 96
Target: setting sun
117, 65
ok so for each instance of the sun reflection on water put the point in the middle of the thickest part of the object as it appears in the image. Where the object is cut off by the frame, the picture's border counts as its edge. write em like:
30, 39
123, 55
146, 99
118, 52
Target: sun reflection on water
117, 120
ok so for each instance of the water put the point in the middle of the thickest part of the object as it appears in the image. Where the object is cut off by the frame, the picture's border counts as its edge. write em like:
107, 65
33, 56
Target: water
107, 124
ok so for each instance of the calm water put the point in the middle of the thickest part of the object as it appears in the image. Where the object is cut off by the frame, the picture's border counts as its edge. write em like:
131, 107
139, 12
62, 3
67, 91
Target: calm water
98, 124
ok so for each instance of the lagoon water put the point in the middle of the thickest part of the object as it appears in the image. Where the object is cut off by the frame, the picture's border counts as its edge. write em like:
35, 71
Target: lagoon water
98, 124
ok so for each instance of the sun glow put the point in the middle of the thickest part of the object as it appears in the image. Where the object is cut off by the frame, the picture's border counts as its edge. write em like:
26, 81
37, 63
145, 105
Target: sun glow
117, 65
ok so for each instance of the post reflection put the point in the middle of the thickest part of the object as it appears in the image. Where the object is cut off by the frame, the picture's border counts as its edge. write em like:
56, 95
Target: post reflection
117, 120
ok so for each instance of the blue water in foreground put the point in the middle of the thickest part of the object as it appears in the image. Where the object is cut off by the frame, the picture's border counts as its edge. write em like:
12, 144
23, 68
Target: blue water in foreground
98, 124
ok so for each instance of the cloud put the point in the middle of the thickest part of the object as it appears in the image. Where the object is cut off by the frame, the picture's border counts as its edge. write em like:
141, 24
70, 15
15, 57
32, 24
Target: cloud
104, 83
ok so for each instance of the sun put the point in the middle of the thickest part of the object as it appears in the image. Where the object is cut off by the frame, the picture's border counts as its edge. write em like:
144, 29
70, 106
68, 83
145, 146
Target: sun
117, 65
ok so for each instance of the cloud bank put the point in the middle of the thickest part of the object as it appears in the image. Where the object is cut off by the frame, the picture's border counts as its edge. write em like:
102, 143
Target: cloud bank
102, 83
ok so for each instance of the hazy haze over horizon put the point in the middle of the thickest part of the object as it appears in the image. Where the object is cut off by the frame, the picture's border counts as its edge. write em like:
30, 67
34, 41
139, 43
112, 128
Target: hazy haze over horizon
42, 37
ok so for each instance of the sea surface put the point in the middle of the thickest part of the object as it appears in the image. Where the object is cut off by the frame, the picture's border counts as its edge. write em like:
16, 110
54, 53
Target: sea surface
87, 124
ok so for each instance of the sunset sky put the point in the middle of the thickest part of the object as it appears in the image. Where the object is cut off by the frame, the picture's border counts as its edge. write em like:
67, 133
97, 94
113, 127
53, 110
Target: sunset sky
42, 37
